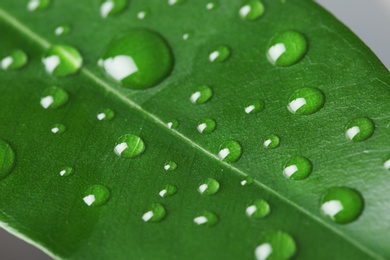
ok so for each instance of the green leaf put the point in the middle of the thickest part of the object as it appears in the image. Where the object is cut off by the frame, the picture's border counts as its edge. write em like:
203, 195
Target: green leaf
64, 188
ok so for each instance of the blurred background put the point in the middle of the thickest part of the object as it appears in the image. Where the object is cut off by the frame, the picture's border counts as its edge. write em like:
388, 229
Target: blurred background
369, 19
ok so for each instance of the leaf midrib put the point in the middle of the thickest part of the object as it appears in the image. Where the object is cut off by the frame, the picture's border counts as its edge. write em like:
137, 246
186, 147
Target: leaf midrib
87, 73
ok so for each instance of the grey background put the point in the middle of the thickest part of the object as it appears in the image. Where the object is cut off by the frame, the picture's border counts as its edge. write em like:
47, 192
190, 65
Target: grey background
369, 19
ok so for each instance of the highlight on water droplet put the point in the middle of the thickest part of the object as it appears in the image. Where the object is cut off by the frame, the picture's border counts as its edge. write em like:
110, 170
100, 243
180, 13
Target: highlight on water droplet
206, 218
287, 48
62, 60
246, 181
251, 10
201, 95
142, 15
35, 5
186, 36
96, 195
110, 7
219, 54
208, 187
58, 129
62, 30
170, 166
230, 151
359, 129
167, 191
174, 2
275, 245
297, 168
173, 124
129, 146
54, 97
306, 101
342, 205
258, 209
155, 213
211, 5
66, 171
386, 164
253, 107
15, 60
271, 142
7, 159
139, 60
105, 114
206, 126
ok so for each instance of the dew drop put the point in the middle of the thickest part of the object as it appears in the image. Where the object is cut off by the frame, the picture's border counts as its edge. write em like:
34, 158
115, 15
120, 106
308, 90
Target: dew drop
208, 187
105, 114
62, 30
174, 2
359, 129
251, 10
211, 5
272, 142
258, 209
66, 171
15, 60
62, 60
287, 48
220, 54
35, 5
58, 129
201, 95
230, 151
386, 164
129, 146
173, 124
206, 218
110, 7
142, 15
275, 245
297, 168
342, 205
254, 107
54, 97
155, 213
139, 60
7, 159
306, 101
167, 191
170, 166
246, 181
186, 36
96, 195
206, 126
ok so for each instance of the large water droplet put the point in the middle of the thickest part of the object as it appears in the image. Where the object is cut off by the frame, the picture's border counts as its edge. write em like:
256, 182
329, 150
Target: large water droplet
96, 195
62, 30
246, 181
7, 159
297, 168
206, 126
360, 129
219, 54
201, 95
275, 245
271, 142
66, 171
129, 146
58, 129
173, 124
139, 60
258, 209
170, 166
230, 151
287, 48
254, 107
206, 218
342, 204
110, 7
34, 5
168, 190
209, 187
306, 101
54, 97
155, 213
15, 60
251, 10
62, 60
105, 114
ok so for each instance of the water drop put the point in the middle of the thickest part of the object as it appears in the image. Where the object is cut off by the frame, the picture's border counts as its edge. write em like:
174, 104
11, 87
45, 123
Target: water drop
58, 129
206, 126
170, 166
230, 151
275, 245
54, 97
186, 36
105, 114
62, 60
297, 168
342, 205
386, 164
172, 124
167, 191
142, 15
359, 129
7, 159
209, 187
34, 5
201, 95
139, 60
251, 10
254, 107
272, 142
306, 101
110, 7
220, 54
258, 209
129, 146
246, 181
211, 5
155, 213
62, 30
206, 218
174, 2
96, 195
15, 60
66, 171
287, 48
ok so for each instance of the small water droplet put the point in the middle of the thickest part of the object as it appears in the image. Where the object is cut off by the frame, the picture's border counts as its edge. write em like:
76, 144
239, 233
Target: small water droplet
170, 166
66, 171
386, 164
209, 187
173, 124
342, 205
275, 245
62, 30
62, 60
306, 101
15, 60
230, 151
54, 97
251, 10
58, 129
254, 107
360, 129
206, 218
174, 2
297, 168
155, 213
206, 126
186, 36
201, 95
287, 48
139, 60
167, 191
271, 142
212, 5
105, 114
96, 195
246, 181
129, 146
35, 5
142, 15
110, 7
7, 159
258, 209
220, 54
